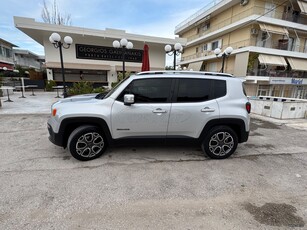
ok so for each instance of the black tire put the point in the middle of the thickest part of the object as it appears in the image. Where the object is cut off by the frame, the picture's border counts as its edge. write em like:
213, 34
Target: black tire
86, 143
220, 142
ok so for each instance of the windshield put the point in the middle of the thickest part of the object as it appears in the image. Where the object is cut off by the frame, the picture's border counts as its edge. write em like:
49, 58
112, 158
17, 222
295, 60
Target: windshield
112, 90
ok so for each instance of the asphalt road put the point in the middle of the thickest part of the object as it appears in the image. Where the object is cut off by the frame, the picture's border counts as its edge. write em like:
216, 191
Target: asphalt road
262, 186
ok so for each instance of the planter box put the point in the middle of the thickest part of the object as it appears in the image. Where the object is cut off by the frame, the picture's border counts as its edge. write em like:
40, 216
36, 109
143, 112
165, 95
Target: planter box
280, 108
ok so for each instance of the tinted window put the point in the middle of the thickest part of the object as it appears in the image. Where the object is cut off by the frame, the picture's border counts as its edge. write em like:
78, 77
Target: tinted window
148, 90
197, 90
219, 88
193, 90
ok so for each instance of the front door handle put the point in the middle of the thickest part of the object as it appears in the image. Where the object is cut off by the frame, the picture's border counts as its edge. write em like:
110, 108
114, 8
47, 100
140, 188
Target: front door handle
159, 110
207, 109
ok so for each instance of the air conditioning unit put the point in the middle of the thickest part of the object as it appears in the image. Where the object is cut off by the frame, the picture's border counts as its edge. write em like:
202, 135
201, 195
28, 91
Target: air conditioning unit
254, 31
244, 2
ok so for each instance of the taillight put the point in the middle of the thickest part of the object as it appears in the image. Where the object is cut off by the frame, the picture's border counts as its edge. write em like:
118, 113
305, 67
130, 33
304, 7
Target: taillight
248, 107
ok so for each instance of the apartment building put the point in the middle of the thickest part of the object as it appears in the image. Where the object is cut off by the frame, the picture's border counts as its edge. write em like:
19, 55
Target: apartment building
6, 55
269, 41
27, 59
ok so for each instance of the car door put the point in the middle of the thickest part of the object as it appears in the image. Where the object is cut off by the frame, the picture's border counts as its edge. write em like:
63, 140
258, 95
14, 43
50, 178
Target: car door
193, 106
148, 116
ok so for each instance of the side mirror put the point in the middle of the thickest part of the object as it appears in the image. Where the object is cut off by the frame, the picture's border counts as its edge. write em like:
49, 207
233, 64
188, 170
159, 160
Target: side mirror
128, 99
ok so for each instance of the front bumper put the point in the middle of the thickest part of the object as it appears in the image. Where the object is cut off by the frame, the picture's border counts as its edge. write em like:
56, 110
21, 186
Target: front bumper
55, 138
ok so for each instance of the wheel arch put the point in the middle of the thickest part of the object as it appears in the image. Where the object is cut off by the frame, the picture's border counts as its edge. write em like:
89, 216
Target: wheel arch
237, 125
68, 125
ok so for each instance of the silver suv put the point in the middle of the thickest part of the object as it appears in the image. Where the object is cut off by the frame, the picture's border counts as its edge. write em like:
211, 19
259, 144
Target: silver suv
208, 109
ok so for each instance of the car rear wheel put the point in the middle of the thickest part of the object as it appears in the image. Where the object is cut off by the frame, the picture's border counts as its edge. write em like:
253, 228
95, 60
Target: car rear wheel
86, 143
220, 142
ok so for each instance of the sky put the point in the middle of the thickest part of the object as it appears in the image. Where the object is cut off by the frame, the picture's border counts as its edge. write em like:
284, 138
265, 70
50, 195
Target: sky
145, 17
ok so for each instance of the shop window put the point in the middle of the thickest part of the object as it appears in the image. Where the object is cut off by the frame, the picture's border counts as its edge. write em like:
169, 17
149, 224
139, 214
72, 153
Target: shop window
263, 90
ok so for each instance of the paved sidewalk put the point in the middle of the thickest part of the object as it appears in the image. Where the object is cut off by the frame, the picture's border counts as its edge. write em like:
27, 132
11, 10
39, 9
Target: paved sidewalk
39, 104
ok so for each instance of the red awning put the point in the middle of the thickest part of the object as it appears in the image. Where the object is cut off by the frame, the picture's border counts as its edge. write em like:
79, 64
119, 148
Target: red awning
8, 66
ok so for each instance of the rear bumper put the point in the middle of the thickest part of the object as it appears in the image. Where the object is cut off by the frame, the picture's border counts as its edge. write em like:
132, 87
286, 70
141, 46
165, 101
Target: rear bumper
55, 138
244, 137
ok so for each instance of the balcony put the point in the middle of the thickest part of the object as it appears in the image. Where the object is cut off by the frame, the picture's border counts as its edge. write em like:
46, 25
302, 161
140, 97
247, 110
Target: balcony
296, 17
190, 20
278, 45
276, 73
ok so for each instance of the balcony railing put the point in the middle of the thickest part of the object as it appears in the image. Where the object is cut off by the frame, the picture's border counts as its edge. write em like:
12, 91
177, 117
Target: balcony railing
248, 42
228, 21
296, 17
276, 73
198, 13
256, 10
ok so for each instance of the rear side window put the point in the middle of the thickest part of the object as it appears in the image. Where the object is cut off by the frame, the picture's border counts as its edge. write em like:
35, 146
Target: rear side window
193, 90
244, 91
219, 87
198, 90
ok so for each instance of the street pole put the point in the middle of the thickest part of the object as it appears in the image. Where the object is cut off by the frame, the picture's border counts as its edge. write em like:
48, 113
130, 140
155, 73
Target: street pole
55, 40
223, 62
174, 60
62, 69
174, 51
124, 71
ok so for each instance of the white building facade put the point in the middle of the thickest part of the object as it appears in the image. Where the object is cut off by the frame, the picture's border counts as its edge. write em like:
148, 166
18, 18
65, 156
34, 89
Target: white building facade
92, 57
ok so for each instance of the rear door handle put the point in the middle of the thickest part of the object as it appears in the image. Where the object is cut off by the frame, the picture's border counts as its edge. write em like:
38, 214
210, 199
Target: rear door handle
207, 109
159, 110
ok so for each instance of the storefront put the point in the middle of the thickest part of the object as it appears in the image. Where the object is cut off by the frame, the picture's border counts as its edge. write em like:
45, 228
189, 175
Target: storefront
91, 56
288, 87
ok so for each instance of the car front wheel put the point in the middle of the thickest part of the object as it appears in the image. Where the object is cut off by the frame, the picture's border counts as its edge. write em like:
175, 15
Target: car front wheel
86, 143
220, 142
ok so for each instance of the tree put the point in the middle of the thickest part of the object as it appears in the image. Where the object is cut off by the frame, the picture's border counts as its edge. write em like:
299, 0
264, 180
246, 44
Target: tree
54, 16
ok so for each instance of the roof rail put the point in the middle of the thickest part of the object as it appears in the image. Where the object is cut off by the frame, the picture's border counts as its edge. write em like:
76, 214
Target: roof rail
185, 72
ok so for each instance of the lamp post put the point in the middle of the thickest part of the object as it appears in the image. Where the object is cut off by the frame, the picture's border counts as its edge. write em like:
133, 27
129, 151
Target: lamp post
225, 54
55, 39
124, 44
176, 51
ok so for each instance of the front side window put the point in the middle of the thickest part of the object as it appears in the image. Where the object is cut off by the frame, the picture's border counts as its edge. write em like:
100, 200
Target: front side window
148, 90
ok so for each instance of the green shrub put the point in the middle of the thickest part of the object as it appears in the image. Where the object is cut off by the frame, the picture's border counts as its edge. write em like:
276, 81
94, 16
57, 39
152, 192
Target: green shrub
98, 90
50, 84
113, 84
82, 87
120, 78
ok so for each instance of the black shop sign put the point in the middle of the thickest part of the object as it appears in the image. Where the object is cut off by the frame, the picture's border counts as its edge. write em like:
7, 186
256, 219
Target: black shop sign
107, 53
